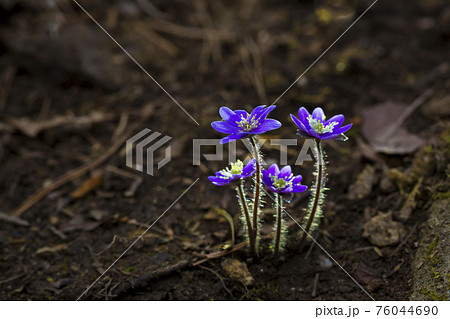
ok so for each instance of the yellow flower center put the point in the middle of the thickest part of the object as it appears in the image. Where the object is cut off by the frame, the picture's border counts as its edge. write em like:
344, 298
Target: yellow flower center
248, 123
234, 169
281, 183
318, 125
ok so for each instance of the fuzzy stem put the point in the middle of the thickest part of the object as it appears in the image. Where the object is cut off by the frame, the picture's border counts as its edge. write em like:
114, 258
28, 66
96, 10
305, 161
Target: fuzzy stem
279, 203
257, 194
247, 217
317, 191
256, 198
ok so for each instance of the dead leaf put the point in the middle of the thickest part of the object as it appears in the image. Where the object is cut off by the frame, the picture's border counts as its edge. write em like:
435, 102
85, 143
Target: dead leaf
88, 185
52, 249
238, 271
379, 120
78, 223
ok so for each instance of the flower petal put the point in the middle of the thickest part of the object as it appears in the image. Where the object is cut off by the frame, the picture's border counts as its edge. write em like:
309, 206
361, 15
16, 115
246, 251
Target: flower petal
337, 118
267, 125
297, 179
343, 129
298, 188
273, 189
266, 112
224, 127
303, 114
226, 113
218, 181
274, 170
304, 134
304, 126
318, 113
256, 111
285, 172
233, 137
265, 178
249, 169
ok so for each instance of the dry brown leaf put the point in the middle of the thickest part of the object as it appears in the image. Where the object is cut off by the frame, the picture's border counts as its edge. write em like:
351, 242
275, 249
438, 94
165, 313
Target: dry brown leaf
78, 223
379, 120
88, 185
52, 249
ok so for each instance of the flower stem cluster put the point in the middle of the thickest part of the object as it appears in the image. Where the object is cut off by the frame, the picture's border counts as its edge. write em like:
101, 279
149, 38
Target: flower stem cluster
240, 124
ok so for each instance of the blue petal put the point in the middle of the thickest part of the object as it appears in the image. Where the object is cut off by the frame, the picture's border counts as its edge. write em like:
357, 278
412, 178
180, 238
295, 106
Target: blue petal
297, 179
218, 181
296, 121
256, 111
274, 170
303, 115
239, 114
224, 127
313, 133
299, 188
249, 169
304, 126
266, 112
337, 118
267, 125
343, 129
265, 178
285, 172
318, 113
233, 137
226, 113
304, 134
273, 189
329, 136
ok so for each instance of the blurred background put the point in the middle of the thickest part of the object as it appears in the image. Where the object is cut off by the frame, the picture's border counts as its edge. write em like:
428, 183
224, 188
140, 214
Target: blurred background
70, 97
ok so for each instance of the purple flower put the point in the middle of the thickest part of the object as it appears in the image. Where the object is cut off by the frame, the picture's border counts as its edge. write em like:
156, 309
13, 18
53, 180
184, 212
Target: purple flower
282, 181
235, 171
240, 124
315, 126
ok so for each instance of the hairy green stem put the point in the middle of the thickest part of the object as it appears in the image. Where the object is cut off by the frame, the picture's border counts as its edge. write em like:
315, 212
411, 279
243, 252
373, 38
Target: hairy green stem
243, 199
279, 203
317, 191
256, 199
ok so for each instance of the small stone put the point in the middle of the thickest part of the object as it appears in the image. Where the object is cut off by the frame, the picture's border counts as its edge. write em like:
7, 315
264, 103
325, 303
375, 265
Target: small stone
325, 262
97, 214
386, 185
381, 230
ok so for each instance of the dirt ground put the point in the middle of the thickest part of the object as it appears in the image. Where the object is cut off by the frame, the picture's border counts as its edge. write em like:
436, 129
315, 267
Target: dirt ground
70, 97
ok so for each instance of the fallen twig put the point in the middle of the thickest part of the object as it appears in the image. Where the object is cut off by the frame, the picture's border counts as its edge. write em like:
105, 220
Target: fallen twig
143, 280
13, 219
316, 282
219, 254
69, 176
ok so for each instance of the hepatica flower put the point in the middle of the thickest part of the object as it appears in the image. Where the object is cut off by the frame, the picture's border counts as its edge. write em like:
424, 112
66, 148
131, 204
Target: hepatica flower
282, 181
241, 124
235, 171
315, 125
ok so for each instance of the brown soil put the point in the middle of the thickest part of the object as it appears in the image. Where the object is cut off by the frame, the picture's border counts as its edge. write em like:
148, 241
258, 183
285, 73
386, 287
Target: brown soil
55, 61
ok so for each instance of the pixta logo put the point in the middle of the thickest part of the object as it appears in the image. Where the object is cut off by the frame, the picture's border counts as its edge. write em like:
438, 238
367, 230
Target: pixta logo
143, 146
